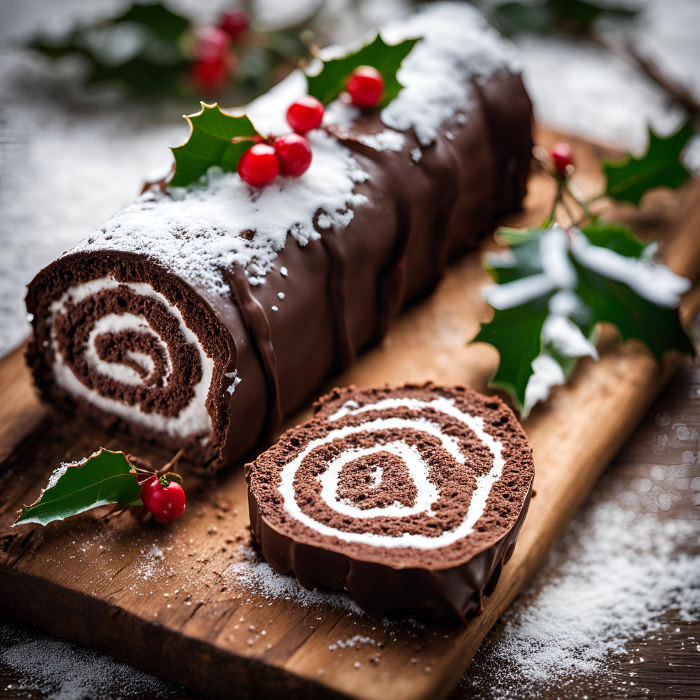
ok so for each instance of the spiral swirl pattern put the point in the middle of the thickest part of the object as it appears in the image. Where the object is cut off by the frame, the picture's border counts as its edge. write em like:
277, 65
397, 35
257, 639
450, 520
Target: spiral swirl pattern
438, 480
125, 349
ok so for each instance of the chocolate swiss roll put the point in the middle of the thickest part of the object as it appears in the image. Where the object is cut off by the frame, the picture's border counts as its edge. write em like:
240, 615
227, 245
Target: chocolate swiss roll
409, 499
197, 317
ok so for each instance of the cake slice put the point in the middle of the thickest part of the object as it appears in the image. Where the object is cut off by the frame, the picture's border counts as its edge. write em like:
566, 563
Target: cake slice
199, 317
410, 499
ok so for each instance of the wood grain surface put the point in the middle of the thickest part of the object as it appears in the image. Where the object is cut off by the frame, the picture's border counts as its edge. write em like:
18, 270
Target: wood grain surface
104, 584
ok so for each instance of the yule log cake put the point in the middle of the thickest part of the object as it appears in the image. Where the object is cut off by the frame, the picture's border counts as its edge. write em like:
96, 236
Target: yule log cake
410, 499
197, 317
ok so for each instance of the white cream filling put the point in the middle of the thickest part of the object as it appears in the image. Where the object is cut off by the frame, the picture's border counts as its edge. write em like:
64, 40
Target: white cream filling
194, 419
419, 470
113, 323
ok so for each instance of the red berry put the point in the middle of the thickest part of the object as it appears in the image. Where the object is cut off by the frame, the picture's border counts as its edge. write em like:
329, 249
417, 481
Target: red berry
259, 165
211, 44
562, 157
294, 154
366, 87
305, 114
210, 76
234, 23
166, 502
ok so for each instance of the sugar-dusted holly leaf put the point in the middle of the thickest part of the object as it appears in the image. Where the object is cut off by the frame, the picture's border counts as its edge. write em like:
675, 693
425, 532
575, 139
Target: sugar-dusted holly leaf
517, 335
216, 138
629, 179
103, 478
635, 317
330, 81
520, 260
554, 287
619, 237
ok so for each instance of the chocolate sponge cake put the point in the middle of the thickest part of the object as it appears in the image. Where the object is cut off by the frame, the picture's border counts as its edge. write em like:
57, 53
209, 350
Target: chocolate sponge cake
197, 317
409, 499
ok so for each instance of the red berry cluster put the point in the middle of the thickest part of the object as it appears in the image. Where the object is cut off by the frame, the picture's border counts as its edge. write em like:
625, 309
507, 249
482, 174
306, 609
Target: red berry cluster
563, 158
214, 60
164, 498
289, 154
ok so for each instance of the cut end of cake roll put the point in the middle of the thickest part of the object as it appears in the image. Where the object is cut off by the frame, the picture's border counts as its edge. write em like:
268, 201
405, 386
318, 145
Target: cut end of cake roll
132, 347
409, 499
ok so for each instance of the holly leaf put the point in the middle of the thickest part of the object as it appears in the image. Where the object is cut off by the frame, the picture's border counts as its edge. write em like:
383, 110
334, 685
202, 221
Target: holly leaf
629, 179
162, 21
635, 317
554, 288
517, 335
521, 260
619, 237
143, 48
570, 16
216, 138
104, 477
330, 81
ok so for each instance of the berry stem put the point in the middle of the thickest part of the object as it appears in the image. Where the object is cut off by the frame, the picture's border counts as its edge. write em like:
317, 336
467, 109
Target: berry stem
171, 465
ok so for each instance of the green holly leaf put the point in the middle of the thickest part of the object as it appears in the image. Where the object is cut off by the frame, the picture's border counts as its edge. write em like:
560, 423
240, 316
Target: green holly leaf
570, 16
143, 48
216, 138
521, 260
629, 179
386, 58
619, 237
163, 22
554, 288
517, 335
635, 317
103, 478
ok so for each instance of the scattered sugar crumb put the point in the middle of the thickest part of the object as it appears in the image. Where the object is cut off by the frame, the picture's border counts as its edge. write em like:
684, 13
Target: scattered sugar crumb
61, 670
610, 579
258, 577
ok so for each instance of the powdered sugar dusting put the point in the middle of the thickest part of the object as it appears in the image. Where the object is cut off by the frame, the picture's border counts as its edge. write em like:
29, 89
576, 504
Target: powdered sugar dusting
57, 474
457, 45
386, 140
353, 642
258, 577
613, 575
60, 670
196, 232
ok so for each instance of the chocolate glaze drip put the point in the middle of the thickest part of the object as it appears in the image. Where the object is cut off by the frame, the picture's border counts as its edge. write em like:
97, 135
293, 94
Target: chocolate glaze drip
337, 282
258, 326
341, 293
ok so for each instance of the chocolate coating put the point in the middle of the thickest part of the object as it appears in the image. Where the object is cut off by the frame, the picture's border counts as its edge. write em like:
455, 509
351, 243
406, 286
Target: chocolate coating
341, 291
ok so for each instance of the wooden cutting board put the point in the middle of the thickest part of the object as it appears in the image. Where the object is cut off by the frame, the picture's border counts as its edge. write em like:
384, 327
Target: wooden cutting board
190, 602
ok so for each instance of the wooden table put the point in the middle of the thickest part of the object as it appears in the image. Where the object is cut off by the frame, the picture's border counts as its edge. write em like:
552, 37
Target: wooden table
663, 681
573, 436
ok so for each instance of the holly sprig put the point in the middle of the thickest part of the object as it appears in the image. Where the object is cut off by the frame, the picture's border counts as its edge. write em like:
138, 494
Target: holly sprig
220, 140
150, 50
330, 80
216, 139
103, 478
556, 283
